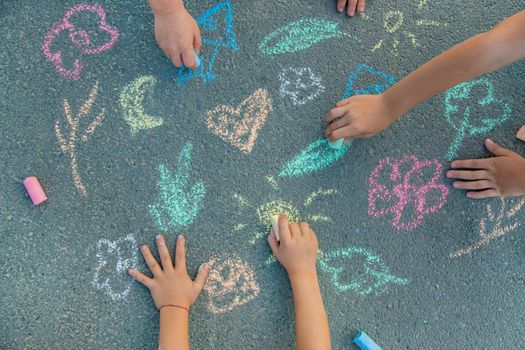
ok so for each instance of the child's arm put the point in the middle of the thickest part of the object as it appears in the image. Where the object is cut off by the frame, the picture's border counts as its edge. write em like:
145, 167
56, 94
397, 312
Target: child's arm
366, 115
297, 252
351, 6
173, 292
176, 32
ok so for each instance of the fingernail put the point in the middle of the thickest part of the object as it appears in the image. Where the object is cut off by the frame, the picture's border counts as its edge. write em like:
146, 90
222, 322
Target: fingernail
203, 266
130, 272
449, 174
453, 164
180, 238
158, 237
143, 247
455, 185
340, 9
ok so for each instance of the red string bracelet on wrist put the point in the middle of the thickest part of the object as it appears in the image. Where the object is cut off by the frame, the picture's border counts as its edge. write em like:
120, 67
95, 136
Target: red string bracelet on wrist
171, 305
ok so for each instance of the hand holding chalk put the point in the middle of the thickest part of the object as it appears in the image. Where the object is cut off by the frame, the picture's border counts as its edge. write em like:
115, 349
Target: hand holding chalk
297, 250
173, 31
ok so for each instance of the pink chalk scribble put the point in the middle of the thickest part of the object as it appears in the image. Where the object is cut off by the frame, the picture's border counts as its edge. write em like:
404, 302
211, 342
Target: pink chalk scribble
79, 38
406, 184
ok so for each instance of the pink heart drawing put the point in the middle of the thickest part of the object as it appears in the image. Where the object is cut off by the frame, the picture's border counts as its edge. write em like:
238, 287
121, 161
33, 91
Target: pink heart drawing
79, 38
240, 126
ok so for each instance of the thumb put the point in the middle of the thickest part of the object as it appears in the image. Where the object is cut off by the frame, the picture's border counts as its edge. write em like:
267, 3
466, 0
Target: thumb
496, 149
272, 241
197, 41
201, 276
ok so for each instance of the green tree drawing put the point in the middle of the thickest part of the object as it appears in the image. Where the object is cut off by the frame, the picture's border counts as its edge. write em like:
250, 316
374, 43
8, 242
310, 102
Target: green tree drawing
179, 202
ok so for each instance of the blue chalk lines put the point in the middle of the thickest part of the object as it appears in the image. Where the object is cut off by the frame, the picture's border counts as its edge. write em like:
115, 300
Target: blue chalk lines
462, 122
382, 81
179, 202
216, 25
375, 278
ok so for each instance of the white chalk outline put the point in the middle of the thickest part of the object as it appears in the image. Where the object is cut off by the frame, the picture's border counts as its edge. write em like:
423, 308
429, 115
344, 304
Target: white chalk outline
121, 267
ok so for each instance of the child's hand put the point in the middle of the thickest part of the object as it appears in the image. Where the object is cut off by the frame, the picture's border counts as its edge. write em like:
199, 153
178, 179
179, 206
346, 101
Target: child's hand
352, 6
178, 34
171, 285
359, 116
500, 176
297, 250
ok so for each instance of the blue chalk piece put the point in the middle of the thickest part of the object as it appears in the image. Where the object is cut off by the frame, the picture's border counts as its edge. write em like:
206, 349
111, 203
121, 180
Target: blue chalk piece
364, 342
197, 59
337, 144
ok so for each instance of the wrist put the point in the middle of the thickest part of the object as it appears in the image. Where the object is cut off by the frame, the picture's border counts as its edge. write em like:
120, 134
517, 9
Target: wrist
169, 312
394, 104
301, 277
166, 7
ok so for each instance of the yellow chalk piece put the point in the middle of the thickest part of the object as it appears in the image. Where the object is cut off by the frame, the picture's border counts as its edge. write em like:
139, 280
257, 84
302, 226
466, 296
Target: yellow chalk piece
275, 226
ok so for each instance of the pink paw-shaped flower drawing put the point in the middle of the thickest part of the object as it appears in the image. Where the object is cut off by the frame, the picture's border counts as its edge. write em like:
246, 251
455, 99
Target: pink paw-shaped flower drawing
80, 38
408, 189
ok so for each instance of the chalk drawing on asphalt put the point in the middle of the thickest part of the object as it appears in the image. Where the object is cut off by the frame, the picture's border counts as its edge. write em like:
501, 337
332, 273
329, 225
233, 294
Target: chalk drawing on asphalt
114, 258
240, 125
69, 144
231, 283
179, 201
495, 225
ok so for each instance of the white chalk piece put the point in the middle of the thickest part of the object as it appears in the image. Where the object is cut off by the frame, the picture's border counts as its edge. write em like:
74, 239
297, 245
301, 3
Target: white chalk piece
275, 226
35, 190
197, 59
337, 144
521, 134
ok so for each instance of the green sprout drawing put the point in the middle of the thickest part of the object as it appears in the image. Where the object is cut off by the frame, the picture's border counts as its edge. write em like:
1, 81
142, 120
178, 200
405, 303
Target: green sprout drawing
179, 203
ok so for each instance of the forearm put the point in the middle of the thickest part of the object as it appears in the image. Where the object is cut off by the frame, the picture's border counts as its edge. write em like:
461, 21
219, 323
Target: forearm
311, 323
173, 333
480, 54
165, 6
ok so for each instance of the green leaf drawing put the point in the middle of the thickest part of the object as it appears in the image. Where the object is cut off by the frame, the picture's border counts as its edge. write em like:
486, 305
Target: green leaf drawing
374, 276
179, 203
300, 35
132, 102
316, 156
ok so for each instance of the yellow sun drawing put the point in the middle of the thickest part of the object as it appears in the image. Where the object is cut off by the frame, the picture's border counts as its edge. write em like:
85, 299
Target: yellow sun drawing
266, 210
393, 22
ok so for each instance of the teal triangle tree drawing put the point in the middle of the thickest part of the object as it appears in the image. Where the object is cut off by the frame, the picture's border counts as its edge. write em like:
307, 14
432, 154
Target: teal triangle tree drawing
179, 202
217, 30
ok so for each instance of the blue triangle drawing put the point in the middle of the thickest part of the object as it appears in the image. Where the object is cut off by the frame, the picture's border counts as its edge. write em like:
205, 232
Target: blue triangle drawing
209, 24
384, 81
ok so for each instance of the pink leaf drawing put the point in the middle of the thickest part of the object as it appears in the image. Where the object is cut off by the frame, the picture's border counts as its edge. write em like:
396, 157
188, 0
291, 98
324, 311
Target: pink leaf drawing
397, 186
79, 38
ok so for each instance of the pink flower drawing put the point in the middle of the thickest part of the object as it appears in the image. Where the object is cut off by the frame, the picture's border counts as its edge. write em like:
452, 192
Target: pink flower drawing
80, 38
406, 188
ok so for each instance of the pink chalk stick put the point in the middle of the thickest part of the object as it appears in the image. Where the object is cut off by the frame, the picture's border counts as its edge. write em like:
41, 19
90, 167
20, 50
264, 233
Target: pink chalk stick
35, 191
521, 134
